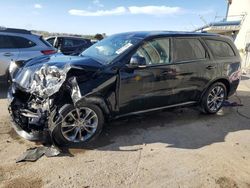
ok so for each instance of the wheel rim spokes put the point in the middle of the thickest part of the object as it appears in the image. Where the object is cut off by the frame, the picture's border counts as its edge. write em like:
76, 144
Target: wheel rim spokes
216, 98
79, 124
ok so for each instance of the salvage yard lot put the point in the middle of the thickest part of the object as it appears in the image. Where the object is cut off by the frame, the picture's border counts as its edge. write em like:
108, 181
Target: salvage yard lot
175, 148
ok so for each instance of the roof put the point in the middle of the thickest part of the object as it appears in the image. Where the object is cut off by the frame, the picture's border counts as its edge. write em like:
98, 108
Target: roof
220, 24
13, 30
146, 34
67, 36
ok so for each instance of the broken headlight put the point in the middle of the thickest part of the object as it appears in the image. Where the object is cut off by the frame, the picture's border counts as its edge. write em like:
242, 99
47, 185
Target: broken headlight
48, 80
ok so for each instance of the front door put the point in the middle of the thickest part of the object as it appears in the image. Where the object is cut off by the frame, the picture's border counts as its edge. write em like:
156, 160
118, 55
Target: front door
149, 86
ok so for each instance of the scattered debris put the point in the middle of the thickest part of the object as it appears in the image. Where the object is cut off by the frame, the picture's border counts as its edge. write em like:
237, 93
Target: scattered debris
90, 161
33, 154
231, 104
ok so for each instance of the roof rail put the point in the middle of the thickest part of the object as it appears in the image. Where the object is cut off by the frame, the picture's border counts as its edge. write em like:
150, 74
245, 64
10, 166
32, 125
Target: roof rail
13, 30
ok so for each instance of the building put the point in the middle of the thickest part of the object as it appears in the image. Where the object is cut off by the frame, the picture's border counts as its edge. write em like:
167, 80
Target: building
236, 24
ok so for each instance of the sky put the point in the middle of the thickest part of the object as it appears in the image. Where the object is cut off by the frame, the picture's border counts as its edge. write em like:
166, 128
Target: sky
110, 16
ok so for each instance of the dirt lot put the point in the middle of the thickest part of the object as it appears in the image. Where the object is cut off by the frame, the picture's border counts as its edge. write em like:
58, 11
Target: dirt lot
177, 148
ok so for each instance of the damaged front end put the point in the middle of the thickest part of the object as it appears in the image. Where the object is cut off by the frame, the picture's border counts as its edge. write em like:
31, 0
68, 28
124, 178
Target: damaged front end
36, 95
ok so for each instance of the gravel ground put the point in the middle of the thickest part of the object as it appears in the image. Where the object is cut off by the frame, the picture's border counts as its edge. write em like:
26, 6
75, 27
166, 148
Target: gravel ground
176, 148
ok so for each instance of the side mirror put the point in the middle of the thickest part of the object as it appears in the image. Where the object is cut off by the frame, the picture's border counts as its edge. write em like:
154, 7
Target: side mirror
137, 61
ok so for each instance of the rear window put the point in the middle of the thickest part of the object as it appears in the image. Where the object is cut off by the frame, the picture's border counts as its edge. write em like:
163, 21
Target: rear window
188, 49
220, 48
6, 42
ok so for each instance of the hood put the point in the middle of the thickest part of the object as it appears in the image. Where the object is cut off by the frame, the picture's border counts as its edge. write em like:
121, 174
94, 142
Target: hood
41, 74
61, 60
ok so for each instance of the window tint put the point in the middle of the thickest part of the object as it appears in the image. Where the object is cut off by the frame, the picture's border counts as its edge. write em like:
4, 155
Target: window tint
72, 42
78, 42
155, 52
188, 49
21, 42
220, 48
6, 42
68, 43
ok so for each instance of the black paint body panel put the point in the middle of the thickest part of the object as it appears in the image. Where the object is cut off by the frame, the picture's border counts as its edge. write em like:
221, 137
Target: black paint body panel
124, 90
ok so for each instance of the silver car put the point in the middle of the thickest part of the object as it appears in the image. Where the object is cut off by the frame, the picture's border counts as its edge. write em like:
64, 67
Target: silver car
20, 45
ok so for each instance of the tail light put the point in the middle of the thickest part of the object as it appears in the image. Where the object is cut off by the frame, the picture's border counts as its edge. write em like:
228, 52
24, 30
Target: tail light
48, 52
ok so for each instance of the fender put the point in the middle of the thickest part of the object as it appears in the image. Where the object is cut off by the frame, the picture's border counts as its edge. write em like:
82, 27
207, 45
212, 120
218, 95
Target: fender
94, 100
224, 80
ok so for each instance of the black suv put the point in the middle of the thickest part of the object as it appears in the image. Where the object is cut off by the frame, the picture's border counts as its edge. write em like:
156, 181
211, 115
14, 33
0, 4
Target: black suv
69, 45
71, 97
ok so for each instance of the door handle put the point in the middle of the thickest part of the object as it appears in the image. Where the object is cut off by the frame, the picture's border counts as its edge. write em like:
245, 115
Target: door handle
142, 66
8, 54
211, 67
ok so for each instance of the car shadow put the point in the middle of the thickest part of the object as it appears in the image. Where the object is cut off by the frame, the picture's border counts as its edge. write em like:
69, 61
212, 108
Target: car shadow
184, 128
245, 78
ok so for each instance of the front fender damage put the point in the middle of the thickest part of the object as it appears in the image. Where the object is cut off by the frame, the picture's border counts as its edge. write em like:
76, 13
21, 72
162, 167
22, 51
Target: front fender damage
37, 109
37, 96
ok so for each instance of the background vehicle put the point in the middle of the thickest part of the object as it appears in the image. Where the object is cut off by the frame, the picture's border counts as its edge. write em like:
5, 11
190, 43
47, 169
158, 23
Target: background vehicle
125, 74
20, 45
69, 45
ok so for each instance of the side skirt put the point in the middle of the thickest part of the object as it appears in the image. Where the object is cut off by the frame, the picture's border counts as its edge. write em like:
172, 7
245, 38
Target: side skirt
155, 109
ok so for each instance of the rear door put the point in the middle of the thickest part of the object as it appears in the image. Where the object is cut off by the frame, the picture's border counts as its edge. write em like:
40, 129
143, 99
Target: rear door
227, 58
8, 52
194, 68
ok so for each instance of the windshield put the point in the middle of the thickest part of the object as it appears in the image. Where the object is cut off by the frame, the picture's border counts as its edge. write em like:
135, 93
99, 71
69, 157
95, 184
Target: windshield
108, 49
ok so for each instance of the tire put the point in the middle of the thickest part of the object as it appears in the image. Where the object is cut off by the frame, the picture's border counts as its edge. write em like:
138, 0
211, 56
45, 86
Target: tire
64, 138
211, 101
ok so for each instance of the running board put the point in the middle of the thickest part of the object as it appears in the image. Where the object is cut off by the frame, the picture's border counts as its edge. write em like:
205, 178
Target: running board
155, 109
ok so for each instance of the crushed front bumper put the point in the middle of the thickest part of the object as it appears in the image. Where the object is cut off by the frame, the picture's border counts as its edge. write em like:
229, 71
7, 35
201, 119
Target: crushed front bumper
40, 136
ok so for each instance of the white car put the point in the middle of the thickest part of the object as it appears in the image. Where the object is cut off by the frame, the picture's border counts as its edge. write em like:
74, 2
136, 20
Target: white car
20, 45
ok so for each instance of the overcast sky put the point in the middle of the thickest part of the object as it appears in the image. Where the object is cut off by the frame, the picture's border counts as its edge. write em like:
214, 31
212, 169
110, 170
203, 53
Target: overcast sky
109, 16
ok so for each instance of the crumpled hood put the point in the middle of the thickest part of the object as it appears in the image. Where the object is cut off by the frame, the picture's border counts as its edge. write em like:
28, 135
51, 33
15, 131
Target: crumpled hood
60, 60
24, 78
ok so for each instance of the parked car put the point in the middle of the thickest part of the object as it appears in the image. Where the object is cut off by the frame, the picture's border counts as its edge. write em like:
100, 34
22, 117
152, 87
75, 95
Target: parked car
125, 74
20, 45
69, 45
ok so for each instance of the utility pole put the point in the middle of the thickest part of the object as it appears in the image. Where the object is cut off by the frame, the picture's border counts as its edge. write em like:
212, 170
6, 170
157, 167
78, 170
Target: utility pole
229, 2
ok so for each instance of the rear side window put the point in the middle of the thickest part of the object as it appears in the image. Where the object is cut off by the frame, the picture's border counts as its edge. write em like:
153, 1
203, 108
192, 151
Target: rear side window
68, 42
220, 48
74, 42
78, 42
21, 42
188, 50
6, 42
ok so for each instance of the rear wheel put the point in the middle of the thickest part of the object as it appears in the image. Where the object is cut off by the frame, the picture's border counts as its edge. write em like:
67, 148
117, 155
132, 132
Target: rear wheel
80, 125
213, 98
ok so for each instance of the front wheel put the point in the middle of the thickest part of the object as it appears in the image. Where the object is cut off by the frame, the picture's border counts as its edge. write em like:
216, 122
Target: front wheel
79, 126
213, 98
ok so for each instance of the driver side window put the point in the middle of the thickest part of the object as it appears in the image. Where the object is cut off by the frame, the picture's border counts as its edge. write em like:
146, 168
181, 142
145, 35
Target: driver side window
155, 52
